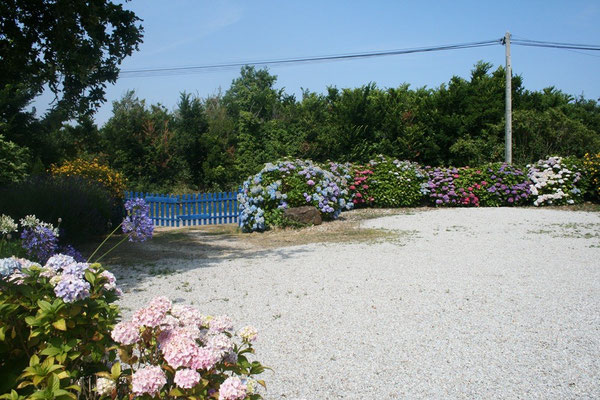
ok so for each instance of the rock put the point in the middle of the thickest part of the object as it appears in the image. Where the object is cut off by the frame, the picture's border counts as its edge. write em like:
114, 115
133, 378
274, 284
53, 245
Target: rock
305, 215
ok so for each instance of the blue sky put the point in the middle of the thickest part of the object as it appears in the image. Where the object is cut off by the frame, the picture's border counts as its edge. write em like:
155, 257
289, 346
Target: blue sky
198, 32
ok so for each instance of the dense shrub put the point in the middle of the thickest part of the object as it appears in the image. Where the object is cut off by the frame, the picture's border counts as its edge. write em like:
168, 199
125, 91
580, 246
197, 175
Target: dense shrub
395, 183
54, 325
86, 209
444, 188
13, 162
289, 184
176, 352
497, 184
491, 185
591, 164
556, 181
95, 171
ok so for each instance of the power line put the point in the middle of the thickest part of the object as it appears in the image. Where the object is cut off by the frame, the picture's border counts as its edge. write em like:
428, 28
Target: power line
301, 60
183, 70
556, 45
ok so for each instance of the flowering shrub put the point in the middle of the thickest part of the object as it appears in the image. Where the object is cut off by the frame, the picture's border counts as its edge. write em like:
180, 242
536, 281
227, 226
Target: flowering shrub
555, 181
359, 189
444, 191
497, 184
289, 184
54, 325
94, 171
591, 165
395, 183
176, 352
492, 185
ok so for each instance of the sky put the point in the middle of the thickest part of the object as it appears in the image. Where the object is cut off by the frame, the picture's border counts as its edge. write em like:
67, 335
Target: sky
198, 32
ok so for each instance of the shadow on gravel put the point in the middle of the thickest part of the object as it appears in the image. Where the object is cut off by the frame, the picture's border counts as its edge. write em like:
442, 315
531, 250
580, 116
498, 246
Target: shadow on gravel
175, 250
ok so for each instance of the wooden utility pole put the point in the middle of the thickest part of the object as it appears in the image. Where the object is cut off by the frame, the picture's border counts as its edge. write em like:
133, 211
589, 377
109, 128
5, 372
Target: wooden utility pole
508, 106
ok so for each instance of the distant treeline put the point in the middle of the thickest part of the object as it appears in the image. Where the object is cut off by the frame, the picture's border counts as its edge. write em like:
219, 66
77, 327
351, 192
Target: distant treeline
216, 142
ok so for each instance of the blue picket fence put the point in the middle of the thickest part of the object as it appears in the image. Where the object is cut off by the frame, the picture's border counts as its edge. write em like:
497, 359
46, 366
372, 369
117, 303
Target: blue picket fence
190, 209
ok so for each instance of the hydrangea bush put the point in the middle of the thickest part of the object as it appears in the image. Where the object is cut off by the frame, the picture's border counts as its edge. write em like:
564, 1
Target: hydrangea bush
359, 188
174, 351
491, 185
55, 321
395, 183
555, 181
495, 185
444, 189
286, 184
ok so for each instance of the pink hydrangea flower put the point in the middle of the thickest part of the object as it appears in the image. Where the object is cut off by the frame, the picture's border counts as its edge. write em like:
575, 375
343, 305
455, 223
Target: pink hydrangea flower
220, 344
180, 351
148, 316
161, 303
126, 333
148, 380
187, 315
221, 323
112, 281
190, 332
186, 378
205, 358
232, 389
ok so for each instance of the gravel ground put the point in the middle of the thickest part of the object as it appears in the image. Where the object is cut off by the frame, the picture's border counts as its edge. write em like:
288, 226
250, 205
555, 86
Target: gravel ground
466, 303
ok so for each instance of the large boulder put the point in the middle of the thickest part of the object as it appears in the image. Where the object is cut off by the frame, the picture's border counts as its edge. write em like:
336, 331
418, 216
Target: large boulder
308, 215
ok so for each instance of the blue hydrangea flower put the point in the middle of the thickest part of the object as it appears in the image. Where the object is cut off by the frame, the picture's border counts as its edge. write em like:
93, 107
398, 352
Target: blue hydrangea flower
58, 262
8, 266
72, 288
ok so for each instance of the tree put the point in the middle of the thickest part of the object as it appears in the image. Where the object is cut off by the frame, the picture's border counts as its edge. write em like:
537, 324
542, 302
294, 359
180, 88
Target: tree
73, 47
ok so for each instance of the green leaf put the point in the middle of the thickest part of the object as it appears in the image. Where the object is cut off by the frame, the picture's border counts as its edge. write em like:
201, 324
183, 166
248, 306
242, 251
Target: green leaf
61, 324
115, 371
44, 305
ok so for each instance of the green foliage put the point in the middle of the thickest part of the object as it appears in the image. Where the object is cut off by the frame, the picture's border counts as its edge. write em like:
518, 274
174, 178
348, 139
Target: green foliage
86, 209
13, 162
46, 344
591, 167
74, 48
208, 144
395, 183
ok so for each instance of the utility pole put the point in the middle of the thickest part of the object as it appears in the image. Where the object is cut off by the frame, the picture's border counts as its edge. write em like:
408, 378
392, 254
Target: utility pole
508, 106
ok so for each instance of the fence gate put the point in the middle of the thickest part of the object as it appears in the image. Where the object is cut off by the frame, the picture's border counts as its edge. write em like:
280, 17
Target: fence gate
190, 209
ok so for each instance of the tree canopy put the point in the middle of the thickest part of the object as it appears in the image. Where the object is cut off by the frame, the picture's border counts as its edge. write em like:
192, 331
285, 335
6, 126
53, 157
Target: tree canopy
72, 47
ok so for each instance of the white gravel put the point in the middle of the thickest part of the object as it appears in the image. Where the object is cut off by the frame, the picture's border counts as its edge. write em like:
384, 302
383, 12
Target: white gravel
468, 303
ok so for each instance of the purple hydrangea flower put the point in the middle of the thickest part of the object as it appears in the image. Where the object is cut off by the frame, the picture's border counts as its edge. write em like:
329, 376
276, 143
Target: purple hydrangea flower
137, 224
40, 242
72, 288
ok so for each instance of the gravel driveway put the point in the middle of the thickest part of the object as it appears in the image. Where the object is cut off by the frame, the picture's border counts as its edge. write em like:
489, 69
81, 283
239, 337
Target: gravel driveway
465, 303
